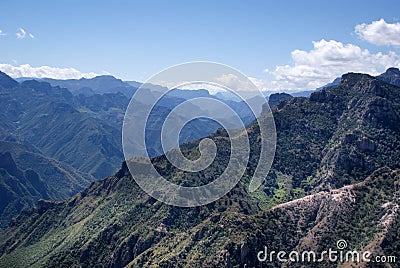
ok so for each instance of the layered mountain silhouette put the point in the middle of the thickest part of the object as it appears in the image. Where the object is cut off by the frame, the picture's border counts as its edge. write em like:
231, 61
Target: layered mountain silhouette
52, 120
91, 86
83, 131
336, 175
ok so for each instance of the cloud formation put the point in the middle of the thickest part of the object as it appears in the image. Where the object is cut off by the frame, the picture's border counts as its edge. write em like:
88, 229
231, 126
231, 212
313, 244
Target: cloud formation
26, 70
22, 34
328, 60
2, 33
379, 33
218, 84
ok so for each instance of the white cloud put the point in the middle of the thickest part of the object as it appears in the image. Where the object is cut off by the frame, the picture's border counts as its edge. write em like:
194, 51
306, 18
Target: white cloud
211, 88
379, 33
328, 60
218, 84
26, 70
2, 33
22, 34
234, 82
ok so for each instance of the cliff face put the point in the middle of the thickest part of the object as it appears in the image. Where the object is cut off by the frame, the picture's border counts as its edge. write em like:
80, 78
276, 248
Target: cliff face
335, 176
391, 76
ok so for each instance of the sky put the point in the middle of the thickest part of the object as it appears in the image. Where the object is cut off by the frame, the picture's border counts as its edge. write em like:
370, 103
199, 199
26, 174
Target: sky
280, 45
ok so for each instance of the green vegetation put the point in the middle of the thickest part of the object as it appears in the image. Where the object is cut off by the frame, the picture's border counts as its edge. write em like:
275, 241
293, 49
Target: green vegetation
337, 163
27, 176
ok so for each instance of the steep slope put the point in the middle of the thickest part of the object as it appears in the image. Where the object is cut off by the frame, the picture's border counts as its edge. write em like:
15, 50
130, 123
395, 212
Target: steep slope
44, 116
315, 222
336, 137
368, 129
113, 223
27, 176
391, 76
276, 98
6, 81
89, 144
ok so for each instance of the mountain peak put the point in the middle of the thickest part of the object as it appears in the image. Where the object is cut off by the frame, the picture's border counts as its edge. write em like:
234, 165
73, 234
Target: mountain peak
393, 70
349, 80
106, 77
6, 81
391, 76
276, 98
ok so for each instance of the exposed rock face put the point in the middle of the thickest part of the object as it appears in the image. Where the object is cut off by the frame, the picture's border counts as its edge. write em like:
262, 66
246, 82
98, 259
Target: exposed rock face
380, 111
44, 205
321, 96
275, 99
391, 76
366, 145
244, 252
350, 138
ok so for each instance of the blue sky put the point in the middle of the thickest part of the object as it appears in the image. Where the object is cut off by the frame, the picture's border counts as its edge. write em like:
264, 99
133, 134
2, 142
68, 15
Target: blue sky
270, 41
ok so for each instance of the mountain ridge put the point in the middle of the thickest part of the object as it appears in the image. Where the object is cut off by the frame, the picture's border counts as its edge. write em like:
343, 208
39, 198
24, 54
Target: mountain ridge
25, 179
391, 76
340, 147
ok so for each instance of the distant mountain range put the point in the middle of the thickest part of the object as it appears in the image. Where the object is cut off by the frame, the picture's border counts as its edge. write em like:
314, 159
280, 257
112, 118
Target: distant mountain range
97, 85
83, 131
336, 175
55, 122
109, 84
